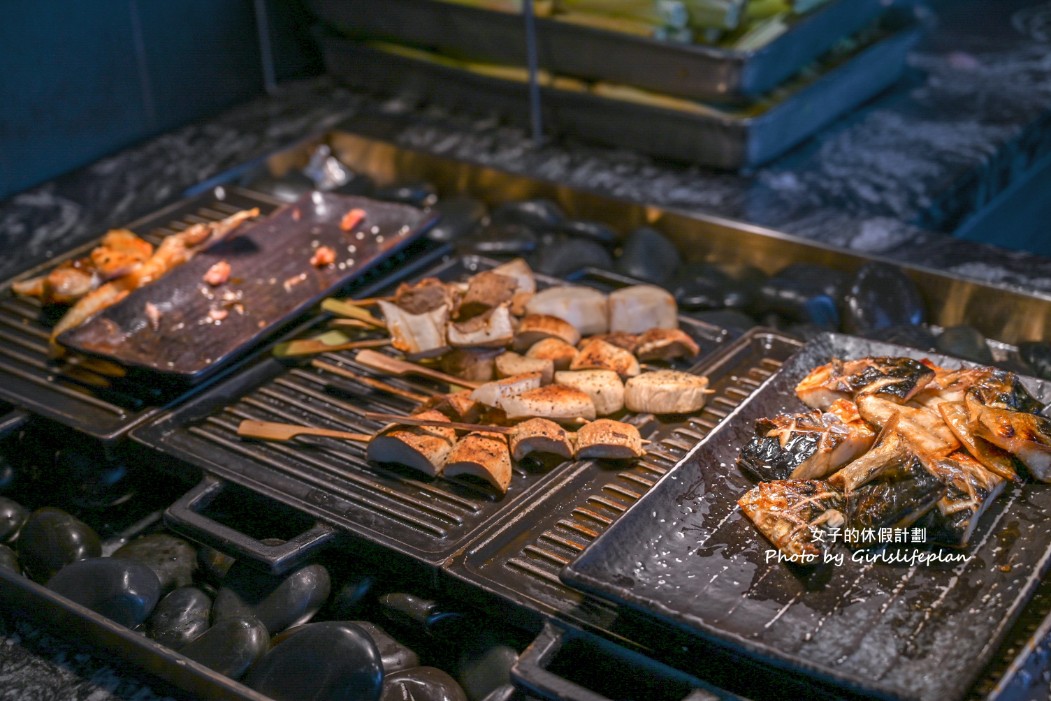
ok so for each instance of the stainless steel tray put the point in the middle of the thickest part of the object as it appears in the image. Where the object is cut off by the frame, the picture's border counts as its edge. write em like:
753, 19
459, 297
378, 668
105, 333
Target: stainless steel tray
731, 139
688, 70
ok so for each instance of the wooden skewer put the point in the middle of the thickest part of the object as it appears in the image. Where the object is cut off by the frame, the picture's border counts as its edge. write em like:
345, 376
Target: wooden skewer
310, 346
413, 421
385, 363
369, 382
269, 431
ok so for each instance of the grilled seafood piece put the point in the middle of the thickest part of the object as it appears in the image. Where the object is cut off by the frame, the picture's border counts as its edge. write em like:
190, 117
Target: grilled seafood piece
491, 329
585, 308
896, 379
996, 460
418, 335
534, 328
641, 307
925, 428
486, 290
510, 363
612, 440
458, 406
971, 489
423, 448
481, 455
665, 344
792, 513
541, 436
991, 386
805, 446
666, 392
550, 402
494, 393
523, 276
424, 296
473, 364
603, 386
596, 354
1026, 436
556, 350
889, 486
173, 251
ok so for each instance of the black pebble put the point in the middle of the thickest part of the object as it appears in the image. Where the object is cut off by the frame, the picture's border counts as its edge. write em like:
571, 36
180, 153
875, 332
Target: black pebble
535, 214
500, 240
413, 611
173, 559
230, 646
593, 230
8, 559
421, 684
213, 564
350, 598
12, 517
1037, 354
322, 662
559, 255
648, 255
879, 297
484, 664
91, 481
918, 337
394, 655
965, 342
52, 539
279, 602
805, 293
121, 590
704, 286
421, 194
459, 216
180, 617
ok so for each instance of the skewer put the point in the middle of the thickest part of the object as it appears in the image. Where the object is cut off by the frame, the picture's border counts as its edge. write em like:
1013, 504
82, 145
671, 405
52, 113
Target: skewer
369, 382
385, 363
413, 421
270, 431
310, 346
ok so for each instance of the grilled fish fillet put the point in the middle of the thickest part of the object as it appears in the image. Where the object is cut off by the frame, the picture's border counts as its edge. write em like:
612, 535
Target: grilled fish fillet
1026, 436
971, 489
925, 428
789, 512
994, 459
896, 379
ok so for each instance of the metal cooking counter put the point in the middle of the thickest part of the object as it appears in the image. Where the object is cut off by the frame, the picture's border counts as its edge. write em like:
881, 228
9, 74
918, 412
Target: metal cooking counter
907, 159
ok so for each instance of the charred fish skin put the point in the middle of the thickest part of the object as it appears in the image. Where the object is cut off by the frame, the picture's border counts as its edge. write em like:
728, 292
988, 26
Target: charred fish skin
900, 492
1001, 389
895, 378
793, 514
971, 489
767, 457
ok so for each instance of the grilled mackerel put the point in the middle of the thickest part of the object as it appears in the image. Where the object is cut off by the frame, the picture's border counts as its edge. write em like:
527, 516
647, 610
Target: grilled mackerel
793, 514
896, 379
971, 489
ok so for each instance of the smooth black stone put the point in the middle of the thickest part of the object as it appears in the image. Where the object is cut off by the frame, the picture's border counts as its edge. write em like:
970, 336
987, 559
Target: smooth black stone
459, 217
421, 194
421, 684
412, 612
279, 602
1037, 354
912, 336
484, 664
507, 239
8, 559
805, 293
12, 517
704, 286
349, 600
288, 188
592, 230
180, 617
559, 255
726, 318
230, 646
173, 559
648, 255
124, 591
965, 342
879, 297
52, 539
8, 475
535, 214
327, 661
92, 482
213, 564
394, 655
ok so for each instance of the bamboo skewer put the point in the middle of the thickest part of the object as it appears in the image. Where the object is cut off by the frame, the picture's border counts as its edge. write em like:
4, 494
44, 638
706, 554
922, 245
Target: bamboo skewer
310, 346
270, 431
369, 381
413, 421
385, 363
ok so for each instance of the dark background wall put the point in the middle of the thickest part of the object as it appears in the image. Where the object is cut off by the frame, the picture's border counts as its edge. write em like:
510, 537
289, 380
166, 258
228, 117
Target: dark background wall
79, 80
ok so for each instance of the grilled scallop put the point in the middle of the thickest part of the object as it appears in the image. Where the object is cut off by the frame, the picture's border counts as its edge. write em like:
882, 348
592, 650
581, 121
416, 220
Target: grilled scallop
486, 290
423, 448
534, 328
603, 386
642, 307
666, 392
416, 334
550, 402
458, 406
665, 344
612, 440
493, 329
494, 393
585, 308
541, 436
556, 350
481, 455
509, 364
518, 269
596, 354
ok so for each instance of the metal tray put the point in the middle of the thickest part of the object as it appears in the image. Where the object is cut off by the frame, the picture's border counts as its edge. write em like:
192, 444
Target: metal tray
721, 138
271, 282
687, 70
419, 517
685, 555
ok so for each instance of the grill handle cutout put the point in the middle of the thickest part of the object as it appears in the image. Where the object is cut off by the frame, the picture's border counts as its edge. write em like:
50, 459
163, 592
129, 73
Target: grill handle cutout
539, 672
186, 516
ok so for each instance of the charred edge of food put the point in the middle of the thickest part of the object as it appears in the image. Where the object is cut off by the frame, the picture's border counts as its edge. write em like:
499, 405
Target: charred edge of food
900, 378
793, 515
971, 489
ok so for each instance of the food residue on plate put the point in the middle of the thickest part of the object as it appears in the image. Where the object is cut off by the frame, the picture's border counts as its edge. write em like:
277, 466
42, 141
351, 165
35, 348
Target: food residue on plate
352, 219
323, 257
217, 274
